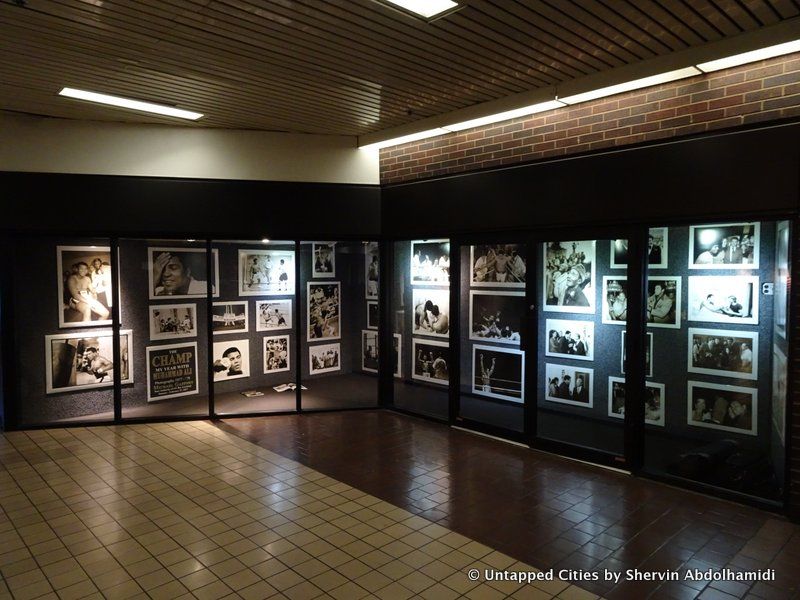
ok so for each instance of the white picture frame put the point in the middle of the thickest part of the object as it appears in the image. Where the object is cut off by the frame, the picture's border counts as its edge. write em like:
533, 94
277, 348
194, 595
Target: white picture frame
618, 257
181, 312
329, 357
266, 272
323, 259
230, 317
484, 324
225, 361
190, 258
709, 297
100, 286
279, 354
80, 368
425, 322
570, 333
371, 270
715, 413
655, 303
697, 360
434, 349
703, 238
616, 286
323, 310
429, 262
481, 274
567, 395
512, 364
570, 289
656, 389
274, 314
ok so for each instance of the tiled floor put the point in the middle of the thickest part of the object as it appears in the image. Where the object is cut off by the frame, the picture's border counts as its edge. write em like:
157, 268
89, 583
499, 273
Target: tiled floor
187, 510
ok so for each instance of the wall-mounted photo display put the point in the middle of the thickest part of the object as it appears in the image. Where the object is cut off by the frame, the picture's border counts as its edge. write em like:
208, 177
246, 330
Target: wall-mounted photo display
397, 353
657, 249
371, 270
324, 311
498, 372
324, 358
431, 361
495, 316
430, 262
229, 317
82, 361
173, 321
648, 355
266, 272
569, 385
779, 391
724, 299
231, 360
369, 351
372, 315
725, 246
781, 277
664, 302
84, 285
272, 315
431, 312
615, 300
569, 277
171, 371
181, 272
324, 259
653, 401
725, 407
498, 265
570, 339
723, 353
277, 357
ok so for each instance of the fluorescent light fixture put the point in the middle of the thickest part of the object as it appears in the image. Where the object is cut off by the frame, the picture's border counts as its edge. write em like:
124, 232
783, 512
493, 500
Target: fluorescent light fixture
748, 57
265, 241
425, 8
160, 109
505, 116
413, 137
632, 85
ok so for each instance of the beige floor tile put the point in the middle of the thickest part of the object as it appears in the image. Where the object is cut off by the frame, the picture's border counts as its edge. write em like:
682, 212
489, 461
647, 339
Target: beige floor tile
185, 567
395, 591
81, 589
373, 581
284, 580
303, 591
212, 591
529, 592
258, 591
242, 579
348, 591
311, 568
170, 590
575, 593
198, 579
395, 570
416, 582
125, 590
155, 579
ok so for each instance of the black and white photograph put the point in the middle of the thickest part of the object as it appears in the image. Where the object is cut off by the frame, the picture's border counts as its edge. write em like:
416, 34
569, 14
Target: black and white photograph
273, 315
229, 317
371, 270
324, 259
723, 353
324, 358
397, 354
498, 265
495, 316
724, 407
81, 361
725, 246
430, 262
570, 339
664, 302
724, 299
781, 298
171, 371
498, 373
653, 401
369, 351
181, 273
779, 391
648, 355
372, 314
431, 361
266, 272
324, 311
615, 300
173, 321
431, 312
277, 356
84, 286
569, 277
569, 385
657, 247
231, 360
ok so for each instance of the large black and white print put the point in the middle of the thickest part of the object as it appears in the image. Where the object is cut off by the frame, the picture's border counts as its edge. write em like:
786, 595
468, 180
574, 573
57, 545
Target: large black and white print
726, 246
569, 385
723, 353
664, 302
324, 358
430, 262
648, 355
172, 321
324, 311
272, 315
779, 391
724, 299
79, 361
615, 300
84, 285
657, 248
431, 360
495, 316
229, 317
266, 272
431, 312
653, 401
498, 265
498, 372
781, 277
726, 407
276, 354
569, 276
181, 272
371, 270
570, 339
231, 360
369, 351
324, 259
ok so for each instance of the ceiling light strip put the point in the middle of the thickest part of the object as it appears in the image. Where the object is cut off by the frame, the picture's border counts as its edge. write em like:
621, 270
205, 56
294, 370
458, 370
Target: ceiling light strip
628, 86
118, 101
425, 8
749, 57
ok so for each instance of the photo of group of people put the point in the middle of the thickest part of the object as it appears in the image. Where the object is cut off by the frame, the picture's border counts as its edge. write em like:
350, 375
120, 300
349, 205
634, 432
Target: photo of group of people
657, 250
431, 312
727, 246
570, 339
324, 311
496, 316
431, 360
84, 285
272, 315
266, 272
725, 407
324, 358
172, 321
229, 317
724, 299
569, 276
430, 262
653, 401
498, 265
723, 353
276, 354
569, 385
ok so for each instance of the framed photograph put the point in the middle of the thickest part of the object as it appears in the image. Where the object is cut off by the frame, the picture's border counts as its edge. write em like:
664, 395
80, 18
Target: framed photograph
181, 272
431, 312
173, 321
272, 315
569, 277
496, 316
397, 350
324, 263
430, 262
615, 300
648, 355
725, 407
84, 285
266, 272
324, 311
498, 265
372, 314
724, 299
570, 339
781, 276
371, 270
277, 355
653, 401
82, 361
369, 351
779, 391
657, 248
171, 371
723, 353
569, 385
229, 317
498, 373
664, 302
725, 246
431, 361
231, 360
324, 358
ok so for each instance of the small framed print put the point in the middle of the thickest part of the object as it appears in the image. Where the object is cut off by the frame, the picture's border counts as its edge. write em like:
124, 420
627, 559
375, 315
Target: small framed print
266, 272
324, 311
498, 373
726, 246
653, 401
397, 350
722, 352
570, 339
231, 360
369, 351
324, 358
615, 300
324, 263
273, 315
180, 273
494, 316
648, 354
664, 301
277, 355
657, 250
725, 407
229, 317
569, 277
84, 286
173, 321
431, 312
724, 299
430, 262
569, 385
371, 270
82, 361
372, 314
431, 361
498, 265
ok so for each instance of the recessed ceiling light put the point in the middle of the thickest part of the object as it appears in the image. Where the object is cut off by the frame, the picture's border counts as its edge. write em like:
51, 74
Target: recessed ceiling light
748, 57
121, 102
636, 84
425, 8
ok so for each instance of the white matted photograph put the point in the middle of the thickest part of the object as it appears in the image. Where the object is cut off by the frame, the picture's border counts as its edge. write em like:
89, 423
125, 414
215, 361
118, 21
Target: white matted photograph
615, 300
569, 277
324, 311
722, 352
173, 321
781, 298
569, 385
498, 373
324, 259
725, 246
273, 315
231, 360
431, 361
369, 351
397, 354
430, 262
371, 270
372, 314
266, 272
648, 355
779, 391
664, 302
653, 401
324, 358
657, 248
431, 312
724, 407
277, 354
181, 272
230, 317
495, 316
570, 339
498, 265
724, 299
84, 285
81, 361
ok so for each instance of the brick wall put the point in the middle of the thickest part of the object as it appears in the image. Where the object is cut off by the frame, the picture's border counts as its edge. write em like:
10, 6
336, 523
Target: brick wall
759, 92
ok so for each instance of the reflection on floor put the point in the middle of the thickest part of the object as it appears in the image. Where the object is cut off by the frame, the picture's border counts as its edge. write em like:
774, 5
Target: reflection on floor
432, 401
353, 390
